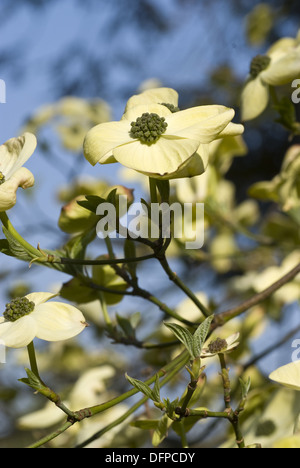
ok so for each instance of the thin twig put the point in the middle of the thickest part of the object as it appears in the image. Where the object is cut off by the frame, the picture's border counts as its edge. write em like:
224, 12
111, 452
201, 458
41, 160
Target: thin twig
223, 317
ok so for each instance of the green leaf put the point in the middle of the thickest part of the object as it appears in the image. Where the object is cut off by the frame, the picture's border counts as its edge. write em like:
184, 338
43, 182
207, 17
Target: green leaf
135, 319
161, 430
15, 249
171, 406
287, 114
200, 336
188, 424
75, 291
294, 213
91, 203
76, 247
147, 424
245, 387
112, 197
141, 387
4, 247
126, 326
183, 335
32, 381
156, 389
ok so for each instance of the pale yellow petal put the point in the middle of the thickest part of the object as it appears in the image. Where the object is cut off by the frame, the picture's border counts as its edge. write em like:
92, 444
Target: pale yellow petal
203, 123
58, 321
18, 334
8, 197
194, 166
8, 191
154, 95
254, 99
232, 129
161, 158
40, 297
283, 70
283, 45
152, 108
232, 339
288, 375
15, 152
103, 138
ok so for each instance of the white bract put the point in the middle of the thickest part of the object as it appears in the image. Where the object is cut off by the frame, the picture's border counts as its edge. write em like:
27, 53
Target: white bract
33, 316
13, 155
288, 375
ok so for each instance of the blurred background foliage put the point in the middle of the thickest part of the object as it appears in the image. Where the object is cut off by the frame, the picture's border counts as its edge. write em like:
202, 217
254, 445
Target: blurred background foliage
69, 65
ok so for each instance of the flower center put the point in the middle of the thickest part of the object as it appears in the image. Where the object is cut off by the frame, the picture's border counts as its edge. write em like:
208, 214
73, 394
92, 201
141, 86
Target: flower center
171, 107
148, 128
217, 346
18, 308
2, 178
258, 64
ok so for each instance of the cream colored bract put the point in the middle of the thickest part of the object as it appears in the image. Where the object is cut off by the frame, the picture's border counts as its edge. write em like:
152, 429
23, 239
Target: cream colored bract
182, 150
288, 375
13, 155
49, 321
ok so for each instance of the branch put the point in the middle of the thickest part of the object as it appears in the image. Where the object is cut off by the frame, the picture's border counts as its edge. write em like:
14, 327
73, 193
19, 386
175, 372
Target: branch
223, 317
180, 284
172, 368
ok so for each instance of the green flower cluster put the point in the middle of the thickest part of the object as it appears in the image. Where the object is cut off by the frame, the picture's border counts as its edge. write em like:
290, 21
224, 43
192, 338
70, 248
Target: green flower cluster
148, 128
18, 308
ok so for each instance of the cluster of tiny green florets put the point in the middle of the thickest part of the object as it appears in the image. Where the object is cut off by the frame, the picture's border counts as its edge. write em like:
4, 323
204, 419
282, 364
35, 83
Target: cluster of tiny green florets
258, 64
171, 107
18, 308
217, 346
148, 128
2, 178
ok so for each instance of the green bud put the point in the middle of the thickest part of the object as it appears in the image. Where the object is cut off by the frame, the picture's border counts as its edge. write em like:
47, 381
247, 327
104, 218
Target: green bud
75, 219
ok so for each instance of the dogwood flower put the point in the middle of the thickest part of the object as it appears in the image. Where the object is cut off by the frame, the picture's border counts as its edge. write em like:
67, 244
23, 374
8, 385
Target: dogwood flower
31, 316
280, 65
13, 154
157, 139
288, 375
220, 345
